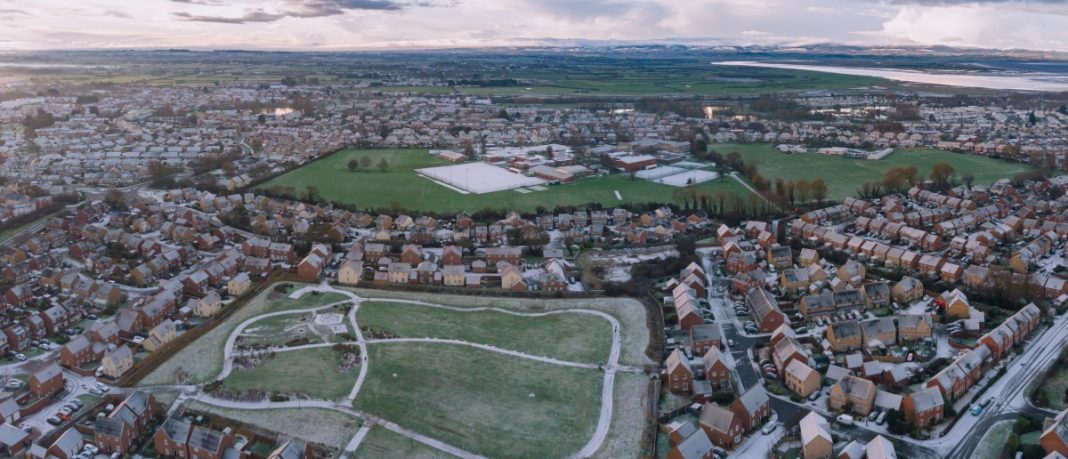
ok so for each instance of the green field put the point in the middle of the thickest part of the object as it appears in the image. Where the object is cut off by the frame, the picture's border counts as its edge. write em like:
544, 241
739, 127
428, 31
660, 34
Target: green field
573, 337
313, 372
844, 176
383, 443
400, 187
481, 401
202, 360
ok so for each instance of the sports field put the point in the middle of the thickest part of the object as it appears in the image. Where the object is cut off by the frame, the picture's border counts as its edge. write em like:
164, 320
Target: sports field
401, 187
844, 176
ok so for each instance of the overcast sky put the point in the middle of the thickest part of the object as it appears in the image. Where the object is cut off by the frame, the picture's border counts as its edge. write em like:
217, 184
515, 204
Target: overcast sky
363, 24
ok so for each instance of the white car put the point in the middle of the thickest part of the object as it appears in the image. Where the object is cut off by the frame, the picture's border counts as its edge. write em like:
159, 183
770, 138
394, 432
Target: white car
769, 428
845, 419
91, 448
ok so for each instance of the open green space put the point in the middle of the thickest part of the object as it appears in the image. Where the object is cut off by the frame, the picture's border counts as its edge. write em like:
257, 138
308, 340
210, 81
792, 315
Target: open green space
382, 443
993, 443
280, 330
844, 176
317, 425
202, 360
401, 187
482, 401
312, 372
574, 337
1051, 391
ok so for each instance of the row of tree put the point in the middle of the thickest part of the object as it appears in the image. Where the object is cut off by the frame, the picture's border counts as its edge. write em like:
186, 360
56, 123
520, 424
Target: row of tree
364, 163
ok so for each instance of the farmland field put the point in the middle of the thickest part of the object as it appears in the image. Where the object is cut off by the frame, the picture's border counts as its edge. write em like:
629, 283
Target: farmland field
574, 337
401, 187
844, 176
481, 401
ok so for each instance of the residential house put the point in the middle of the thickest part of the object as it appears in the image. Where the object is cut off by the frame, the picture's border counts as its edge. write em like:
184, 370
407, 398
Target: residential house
852, 394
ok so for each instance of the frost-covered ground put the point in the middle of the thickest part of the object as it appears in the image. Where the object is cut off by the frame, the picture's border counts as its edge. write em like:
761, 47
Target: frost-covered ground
628, 417
316, 425
630, 314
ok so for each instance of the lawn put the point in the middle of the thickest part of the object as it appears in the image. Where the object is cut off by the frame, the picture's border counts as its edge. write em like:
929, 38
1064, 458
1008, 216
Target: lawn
316, 425
401, 187
280, 330
630, 313
313, 372
383, 443
993, 443
202, 360
482, 401
1052, 390
844, 176
574, 337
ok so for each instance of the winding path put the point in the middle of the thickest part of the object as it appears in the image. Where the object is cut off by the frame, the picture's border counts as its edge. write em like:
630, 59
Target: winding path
604, 418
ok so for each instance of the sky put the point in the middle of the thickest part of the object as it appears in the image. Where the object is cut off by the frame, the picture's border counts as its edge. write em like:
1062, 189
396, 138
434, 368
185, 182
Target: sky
380, 24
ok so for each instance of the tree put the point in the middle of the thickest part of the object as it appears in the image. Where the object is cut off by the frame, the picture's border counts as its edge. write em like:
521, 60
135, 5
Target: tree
941, 174
115, 199
895, 422
383, 165
968, 178
354, 165
819, 190
365, 162
312, 193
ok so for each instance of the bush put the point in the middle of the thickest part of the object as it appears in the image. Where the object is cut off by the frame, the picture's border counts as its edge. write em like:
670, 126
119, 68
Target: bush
723, 397
1022, 424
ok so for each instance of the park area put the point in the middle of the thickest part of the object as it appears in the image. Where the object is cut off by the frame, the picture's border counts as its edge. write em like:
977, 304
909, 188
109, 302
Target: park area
481, 401
844, 176
400, 186
498, 377
574, 337
202, 359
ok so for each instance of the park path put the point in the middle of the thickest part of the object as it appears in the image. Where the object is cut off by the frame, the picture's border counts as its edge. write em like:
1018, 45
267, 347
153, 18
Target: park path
607, 388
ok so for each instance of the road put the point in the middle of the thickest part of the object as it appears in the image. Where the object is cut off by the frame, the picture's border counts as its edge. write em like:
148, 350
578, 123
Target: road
1010, 392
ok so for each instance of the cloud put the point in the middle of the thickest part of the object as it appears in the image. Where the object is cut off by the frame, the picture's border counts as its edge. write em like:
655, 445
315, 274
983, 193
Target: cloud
247, 18
117, 14
305, 9
200, 2
973, 2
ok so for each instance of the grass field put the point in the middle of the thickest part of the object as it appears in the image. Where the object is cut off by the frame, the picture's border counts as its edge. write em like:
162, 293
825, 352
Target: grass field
573, 337
202, 359
1054, 388
381, 443
316, 425
630, 313
480, 401
844, 176
401, 187
313, 372
993, 443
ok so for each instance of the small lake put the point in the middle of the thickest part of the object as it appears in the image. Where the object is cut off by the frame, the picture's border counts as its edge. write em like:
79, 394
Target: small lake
1017, 81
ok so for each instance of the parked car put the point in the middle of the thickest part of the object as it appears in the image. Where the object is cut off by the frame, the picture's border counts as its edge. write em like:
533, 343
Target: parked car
96, 392
20, 357
815, 396
845, 419
54, 421
14, 384
769, 428
881, 419
77, 403
977, 410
